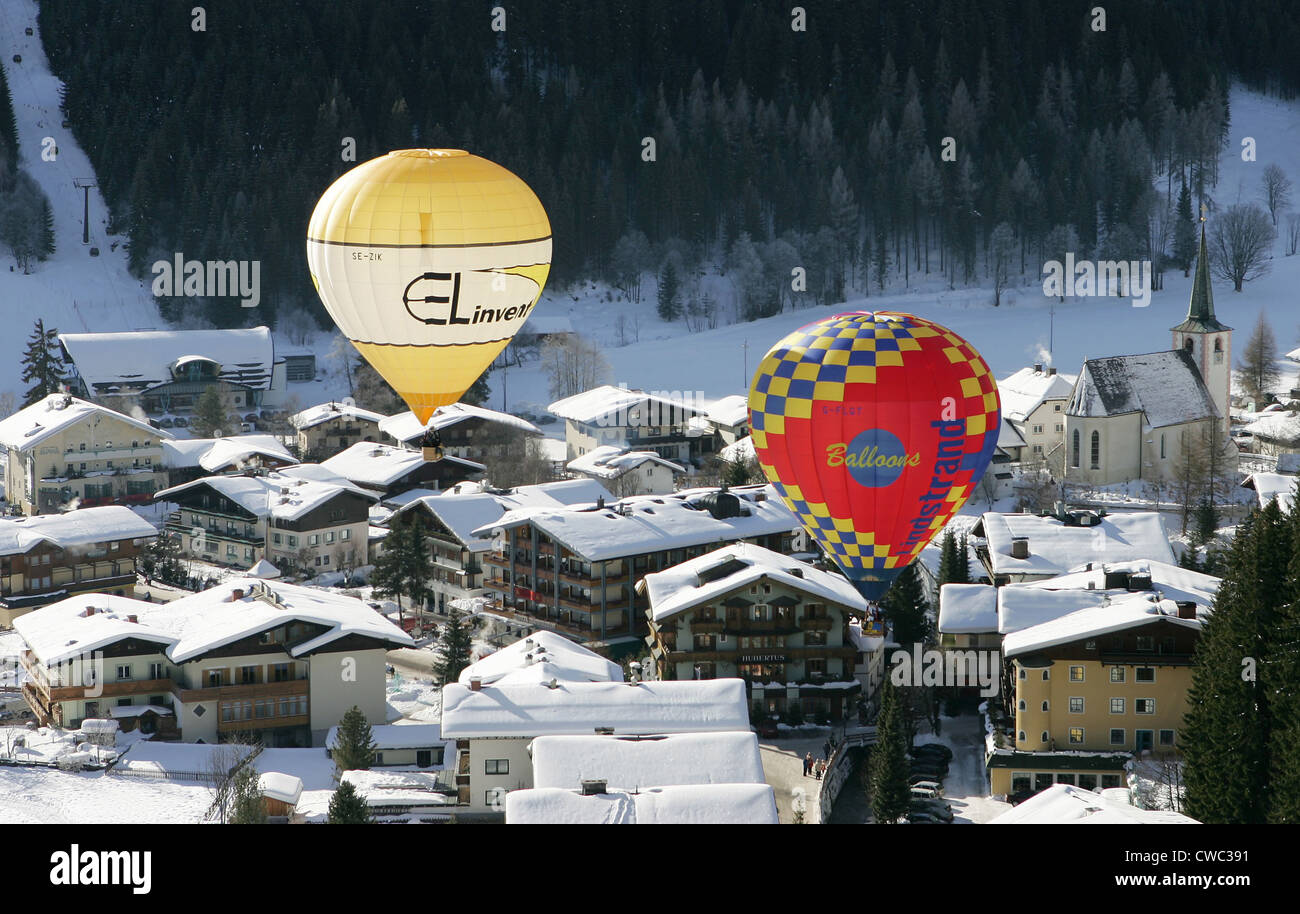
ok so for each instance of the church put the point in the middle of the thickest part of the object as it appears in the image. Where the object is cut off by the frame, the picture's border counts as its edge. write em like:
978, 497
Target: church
1131, 417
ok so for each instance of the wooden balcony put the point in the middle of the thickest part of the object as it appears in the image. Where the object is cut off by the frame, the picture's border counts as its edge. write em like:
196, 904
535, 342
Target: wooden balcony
251, 690
791, 654
816, 623
263, 723
112, 690
707, 626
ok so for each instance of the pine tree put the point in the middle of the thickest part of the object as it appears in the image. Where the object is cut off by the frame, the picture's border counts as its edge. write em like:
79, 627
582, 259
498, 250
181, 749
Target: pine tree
212, 417
405, 566
1206, 523
347, 807
45, 246
889, 789
1185, 232
1228, 731
454, 647
41, 364
354, 745
906, 608
669, 287
247, 807
954, 563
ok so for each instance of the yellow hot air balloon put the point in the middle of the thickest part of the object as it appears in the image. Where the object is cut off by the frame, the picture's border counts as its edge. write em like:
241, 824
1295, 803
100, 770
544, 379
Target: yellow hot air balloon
429, 261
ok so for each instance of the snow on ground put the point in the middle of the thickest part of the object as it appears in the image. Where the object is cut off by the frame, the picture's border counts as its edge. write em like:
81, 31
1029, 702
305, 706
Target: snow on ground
313, 766
415, 699
46, 796
966, 787
72, 291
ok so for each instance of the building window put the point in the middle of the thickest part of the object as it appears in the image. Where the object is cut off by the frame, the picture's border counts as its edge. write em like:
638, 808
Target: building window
1045, 706
345, 535
1117, 736
1145, 643
1144, 705
247, 675
1109, 780
1218, 350
494, 797
1021, 706
1023, 672
1145, 674
1038, 430
1045, 737
1162, 445
1088, 781
313, 540
124, 702
214, 678
1076, 736
124, 671
281, 672
156, 671
1021, 736
1046, 675
1117, 706
1076, 705
293, 542
329, 537
496, 766
1074, 449
1117, 674
1166, 737
1095, 456
1076, 674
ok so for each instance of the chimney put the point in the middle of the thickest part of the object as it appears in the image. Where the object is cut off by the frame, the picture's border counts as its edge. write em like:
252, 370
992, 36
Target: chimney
1038, 368
600, 502
1051, 371
476, 683
1020, 547
236, 595
1187, 610
593, 787
133, 619
90, 610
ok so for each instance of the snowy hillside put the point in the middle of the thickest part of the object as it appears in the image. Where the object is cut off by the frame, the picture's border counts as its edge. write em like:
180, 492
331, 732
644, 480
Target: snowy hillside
72, 291
1009, 337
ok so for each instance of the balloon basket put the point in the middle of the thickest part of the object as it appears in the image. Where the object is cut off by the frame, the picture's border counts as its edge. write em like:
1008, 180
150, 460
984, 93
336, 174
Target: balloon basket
431, 454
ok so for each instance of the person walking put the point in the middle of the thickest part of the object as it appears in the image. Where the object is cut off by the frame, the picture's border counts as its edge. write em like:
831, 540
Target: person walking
807, 764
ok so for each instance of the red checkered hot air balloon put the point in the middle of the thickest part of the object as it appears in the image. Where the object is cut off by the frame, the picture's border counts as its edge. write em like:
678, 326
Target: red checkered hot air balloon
875, 428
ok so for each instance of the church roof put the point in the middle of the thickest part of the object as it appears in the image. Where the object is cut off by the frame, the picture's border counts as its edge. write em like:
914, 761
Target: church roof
1165, 386
1200, 311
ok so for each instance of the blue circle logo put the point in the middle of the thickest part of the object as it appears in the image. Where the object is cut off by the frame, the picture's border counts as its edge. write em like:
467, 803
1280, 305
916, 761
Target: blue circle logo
875, 458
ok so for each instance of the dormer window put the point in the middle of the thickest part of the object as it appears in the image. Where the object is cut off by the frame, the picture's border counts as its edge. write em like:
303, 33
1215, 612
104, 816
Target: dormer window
1189, 344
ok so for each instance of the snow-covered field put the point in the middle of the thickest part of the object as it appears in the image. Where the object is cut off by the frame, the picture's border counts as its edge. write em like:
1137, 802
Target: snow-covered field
46, 796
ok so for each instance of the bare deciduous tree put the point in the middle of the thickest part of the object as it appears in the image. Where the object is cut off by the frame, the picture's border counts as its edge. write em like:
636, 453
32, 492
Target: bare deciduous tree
572, 365
1240, 244
1275, 188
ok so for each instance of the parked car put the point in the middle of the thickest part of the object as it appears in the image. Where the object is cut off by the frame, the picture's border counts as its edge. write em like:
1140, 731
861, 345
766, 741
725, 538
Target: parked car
924, 818
925, 793
928, 785
932, 749
936, 808
768, 729
923, 778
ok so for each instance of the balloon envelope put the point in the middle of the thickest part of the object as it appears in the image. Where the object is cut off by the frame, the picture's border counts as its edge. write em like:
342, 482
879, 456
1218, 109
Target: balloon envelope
429, 261
875, 428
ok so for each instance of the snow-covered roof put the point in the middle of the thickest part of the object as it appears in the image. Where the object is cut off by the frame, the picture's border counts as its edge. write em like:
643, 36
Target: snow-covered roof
214, 454
276, 785
728, 757
1294, 355
1022, 607
1064, 804
541, 657
140, 359
392, 736
378, 465
1027, 389
33, 424
195, 624
708, 577
1117, 615
1165, 386
730, 411
272, 495
465, 514
652, 523
71, 529
968, 609
1171, 581
606, 400
1278, 426
1055, 548
263, 569
170, 758
740, 451
1008, 437
1270, 486
691, 804
324, 412
578, 708
138, 710
609, 462
405, 427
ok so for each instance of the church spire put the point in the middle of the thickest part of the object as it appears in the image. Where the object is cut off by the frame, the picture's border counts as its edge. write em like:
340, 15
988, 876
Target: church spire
1200, 311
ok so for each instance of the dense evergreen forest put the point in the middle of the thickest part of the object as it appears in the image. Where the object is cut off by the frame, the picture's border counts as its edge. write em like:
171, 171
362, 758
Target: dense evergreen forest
773, 147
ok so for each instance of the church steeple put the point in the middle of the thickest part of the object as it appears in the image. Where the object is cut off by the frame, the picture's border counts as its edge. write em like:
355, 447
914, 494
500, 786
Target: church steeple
1200, 311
